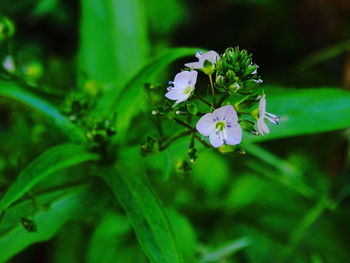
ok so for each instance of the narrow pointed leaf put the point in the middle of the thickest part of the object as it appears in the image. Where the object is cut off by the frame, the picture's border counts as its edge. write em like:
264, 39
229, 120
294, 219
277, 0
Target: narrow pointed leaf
12, 91
143, 208
52, 160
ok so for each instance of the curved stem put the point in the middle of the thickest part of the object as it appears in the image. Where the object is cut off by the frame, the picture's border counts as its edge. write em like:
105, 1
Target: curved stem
184, 124
202, 100
212, 89
171, 140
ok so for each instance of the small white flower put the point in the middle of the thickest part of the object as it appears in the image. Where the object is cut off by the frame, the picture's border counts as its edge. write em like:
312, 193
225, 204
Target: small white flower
211, 56
262, 127
182, 86
9, 64
221, 126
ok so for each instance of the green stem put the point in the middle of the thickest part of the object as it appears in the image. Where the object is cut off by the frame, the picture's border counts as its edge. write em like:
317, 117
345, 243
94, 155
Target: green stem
212, 89
202, 142
223, 98
171, 140
184, 124
202, 100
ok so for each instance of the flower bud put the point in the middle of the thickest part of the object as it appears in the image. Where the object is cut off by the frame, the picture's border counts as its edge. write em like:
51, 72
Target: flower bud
220, 81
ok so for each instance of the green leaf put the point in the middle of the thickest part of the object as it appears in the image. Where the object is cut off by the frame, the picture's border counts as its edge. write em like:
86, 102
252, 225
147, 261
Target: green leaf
185, 235
324, 55
143, 208
114, 236
132, 98
12, 91
306, 111
113, 37
52, 160
69, 205
287, 175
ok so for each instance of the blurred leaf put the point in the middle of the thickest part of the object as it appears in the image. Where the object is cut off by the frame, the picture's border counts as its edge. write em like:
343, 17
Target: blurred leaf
246, 190
113, 235
324, 55
226, 251
203, 168
165, 16
306, 111
70, 206
288, 174
12, 91
52, 160
185, 235
132, 98
113, 37
69, 243
107, 237
143, 208
301, 230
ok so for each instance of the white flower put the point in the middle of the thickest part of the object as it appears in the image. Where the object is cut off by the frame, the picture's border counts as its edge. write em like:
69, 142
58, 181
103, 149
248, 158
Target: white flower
211, 56
182, 86
262, 127
221, 126
9, 64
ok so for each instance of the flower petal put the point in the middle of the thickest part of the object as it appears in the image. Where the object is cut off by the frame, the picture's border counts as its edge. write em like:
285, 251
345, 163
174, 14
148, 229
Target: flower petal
185, 78
262, 127
233, 135
216, 139
211, 56
174, 94
226, 113
185, 97
262, 106
206, 124
194, 65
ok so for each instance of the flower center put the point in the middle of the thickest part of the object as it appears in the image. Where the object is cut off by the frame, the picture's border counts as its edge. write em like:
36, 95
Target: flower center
188, 89
220, 125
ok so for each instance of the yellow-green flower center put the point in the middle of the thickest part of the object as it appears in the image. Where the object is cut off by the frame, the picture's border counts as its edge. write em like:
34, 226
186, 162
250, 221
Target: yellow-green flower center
188, 89
220, 125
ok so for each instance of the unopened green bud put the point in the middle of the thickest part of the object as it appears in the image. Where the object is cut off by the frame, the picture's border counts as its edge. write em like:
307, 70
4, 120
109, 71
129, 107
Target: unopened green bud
209, 68
191, 107
220, 81
230, 74
250, 70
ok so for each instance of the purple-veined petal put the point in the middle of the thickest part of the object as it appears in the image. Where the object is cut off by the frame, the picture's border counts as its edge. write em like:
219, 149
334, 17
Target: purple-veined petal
206, 124
216, 139
227, 113
185, 78
233, 135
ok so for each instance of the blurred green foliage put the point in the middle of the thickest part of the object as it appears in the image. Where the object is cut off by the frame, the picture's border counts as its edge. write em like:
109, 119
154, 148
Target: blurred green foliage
76, 81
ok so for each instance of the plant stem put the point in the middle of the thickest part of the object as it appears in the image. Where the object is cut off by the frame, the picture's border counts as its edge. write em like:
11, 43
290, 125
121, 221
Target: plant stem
202, 142
202, 100
171, 140
212, 89
184, 124
222, 99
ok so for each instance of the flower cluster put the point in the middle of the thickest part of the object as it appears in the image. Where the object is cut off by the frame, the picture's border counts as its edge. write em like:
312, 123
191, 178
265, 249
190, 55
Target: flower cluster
231, 104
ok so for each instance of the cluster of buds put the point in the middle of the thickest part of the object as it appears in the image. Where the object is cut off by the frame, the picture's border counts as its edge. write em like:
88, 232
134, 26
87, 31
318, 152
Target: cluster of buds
232, 104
